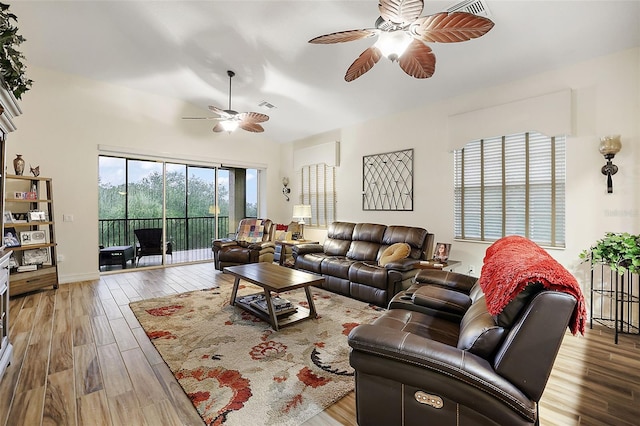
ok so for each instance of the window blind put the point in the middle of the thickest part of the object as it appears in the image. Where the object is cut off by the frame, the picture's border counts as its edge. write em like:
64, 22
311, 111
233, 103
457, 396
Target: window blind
511, 185
317, 189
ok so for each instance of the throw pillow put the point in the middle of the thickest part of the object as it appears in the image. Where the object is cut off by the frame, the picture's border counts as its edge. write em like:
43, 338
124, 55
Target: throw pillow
394, 252
250, 231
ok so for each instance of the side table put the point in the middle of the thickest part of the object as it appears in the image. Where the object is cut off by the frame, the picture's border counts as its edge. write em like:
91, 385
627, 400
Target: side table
449, 265
116, 255
283, 248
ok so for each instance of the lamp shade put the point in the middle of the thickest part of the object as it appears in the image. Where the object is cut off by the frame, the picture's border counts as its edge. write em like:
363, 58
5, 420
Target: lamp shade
610, 145
302, 211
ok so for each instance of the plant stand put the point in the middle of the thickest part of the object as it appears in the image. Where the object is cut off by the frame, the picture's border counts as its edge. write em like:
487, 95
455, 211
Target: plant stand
615, 300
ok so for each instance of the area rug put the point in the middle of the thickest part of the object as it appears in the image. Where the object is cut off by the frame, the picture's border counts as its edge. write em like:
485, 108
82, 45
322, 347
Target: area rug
237, 370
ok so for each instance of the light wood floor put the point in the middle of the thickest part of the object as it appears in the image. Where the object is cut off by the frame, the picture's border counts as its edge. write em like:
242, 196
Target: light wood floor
81, 358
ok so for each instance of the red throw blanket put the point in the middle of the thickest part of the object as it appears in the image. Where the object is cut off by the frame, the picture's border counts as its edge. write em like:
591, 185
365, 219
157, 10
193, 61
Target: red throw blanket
512, 262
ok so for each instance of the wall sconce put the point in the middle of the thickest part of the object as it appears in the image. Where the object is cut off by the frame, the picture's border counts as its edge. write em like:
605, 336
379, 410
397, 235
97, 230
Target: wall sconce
285, 190
609, 147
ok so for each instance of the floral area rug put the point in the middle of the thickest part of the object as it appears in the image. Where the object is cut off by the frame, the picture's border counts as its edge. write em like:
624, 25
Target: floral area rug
237, 370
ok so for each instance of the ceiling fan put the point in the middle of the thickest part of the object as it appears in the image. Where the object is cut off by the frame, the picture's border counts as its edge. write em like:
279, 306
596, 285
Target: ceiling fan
230, 120
402, 34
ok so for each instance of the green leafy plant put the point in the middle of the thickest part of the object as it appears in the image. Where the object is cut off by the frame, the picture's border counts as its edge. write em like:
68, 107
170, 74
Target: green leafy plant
12, 70
620, 251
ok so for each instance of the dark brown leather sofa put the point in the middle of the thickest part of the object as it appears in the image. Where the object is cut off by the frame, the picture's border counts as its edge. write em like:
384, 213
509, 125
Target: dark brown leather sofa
439, 357
348, 259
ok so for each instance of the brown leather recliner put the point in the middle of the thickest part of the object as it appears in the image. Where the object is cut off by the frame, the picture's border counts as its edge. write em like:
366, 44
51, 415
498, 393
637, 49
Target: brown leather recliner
438, 357
253, 243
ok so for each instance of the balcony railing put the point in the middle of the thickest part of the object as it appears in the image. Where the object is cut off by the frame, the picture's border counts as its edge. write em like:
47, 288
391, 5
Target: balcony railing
184, 233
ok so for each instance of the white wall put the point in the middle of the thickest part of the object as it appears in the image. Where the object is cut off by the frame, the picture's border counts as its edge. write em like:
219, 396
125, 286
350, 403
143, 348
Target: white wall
606, 99
64, 120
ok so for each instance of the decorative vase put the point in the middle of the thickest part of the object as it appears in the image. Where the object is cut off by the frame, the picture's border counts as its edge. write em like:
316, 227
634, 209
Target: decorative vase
18, 165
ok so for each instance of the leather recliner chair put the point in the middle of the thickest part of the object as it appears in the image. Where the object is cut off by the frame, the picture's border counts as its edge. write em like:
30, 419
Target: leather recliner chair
438, 357
254, 242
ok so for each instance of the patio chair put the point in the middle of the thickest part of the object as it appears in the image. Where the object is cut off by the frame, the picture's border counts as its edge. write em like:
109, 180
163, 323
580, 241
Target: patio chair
150, 243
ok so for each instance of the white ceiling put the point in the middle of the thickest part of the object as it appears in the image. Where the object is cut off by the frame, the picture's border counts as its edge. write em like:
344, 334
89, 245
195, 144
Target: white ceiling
182, 49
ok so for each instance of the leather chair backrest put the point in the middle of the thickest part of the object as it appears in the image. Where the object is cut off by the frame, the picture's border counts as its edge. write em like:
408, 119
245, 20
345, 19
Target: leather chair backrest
530, 348
366, 241
339, 235
417, 238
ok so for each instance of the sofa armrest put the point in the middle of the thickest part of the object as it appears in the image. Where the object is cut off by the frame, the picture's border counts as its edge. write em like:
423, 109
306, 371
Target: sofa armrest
446, 279
402, 265
262, 245
300, 249
414, 360
224, 242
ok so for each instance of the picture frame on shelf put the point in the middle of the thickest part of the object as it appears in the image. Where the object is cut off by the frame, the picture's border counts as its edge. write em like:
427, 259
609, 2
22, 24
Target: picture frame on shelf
11, 237
19, 195
8, 217
39, 256
37, 216
29, 238
13, 263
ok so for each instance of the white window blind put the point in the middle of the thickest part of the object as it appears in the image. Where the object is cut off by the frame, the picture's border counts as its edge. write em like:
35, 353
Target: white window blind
511, 185
317, 188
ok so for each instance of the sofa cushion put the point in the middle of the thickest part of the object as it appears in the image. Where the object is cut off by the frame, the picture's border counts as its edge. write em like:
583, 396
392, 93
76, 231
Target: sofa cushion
442, 299
479, 334
336, 267
415, 237
394, 252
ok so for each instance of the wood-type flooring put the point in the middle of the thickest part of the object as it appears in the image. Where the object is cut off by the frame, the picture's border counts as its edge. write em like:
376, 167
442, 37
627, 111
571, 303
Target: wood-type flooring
81, 358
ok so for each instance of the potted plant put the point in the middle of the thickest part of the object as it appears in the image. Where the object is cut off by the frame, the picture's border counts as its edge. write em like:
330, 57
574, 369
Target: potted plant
12, 70
620, 251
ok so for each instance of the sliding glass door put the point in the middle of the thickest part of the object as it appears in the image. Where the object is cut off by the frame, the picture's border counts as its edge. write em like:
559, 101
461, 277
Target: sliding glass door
167, 212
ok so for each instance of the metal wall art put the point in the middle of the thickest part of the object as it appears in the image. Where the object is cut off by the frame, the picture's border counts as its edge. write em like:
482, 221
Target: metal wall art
387, 181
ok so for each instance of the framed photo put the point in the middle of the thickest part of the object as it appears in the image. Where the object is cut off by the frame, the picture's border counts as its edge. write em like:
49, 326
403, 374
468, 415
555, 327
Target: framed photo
36, 256
28, 238
11, 238
37, 216
13, 263
19, 195
8, 217
31, 195
441, 253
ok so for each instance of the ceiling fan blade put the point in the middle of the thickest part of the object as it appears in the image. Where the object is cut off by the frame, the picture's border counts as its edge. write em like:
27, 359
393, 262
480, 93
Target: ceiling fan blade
251, 127
450, 27
364, 63
218, 128
220, 112
400, 12
253, 117
418, 60
344, 36
201, 118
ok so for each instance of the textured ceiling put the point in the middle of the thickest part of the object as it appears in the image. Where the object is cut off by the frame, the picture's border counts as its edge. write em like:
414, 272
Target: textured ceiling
182, 49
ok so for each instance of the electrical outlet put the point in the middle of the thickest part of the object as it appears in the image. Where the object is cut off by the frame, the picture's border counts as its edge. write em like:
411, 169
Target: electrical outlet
472, 269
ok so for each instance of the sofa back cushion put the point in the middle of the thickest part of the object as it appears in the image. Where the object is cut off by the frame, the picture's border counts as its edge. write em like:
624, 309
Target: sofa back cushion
479, 333
366, 241
338, 238
414, 236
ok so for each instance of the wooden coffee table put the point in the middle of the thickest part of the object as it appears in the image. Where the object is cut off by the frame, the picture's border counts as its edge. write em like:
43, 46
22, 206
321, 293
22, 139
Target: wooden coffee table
277, 279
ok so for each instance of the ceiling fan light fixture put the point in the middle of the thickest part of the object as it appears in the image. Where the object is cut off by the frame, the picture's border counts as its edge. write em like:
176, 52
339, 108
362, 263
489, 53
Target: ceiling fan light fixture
229, 125
393, 44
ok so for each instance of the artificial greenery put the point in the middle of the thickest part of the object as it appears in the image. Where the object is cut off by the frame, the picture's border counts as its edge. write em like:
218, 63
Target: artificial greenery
12, 70
621, 251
